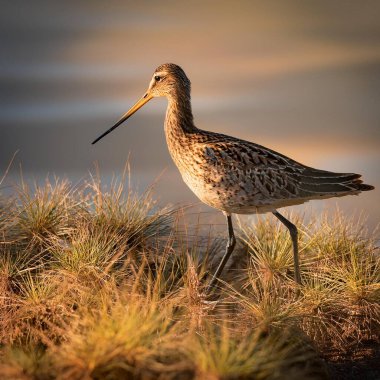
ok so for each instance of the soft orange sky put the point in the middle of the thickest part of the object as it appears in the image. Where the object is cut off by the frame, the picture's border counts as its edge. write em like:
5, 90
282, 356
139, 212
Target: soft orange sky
302, 78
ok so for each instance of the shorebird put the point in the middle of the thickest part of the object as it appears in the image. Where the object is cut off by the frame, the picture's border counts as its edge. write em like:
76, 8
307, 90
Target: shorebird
234, 175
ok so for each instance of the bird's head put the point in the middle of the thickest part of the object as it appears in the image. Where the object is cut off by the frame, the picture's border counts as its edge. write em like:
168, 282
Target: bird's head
168, 80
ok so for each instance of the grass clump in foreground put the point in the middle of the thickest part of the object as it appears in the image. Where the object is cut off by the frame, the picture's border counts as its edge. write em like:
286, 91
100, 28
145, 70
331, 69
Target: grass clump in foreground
100, 283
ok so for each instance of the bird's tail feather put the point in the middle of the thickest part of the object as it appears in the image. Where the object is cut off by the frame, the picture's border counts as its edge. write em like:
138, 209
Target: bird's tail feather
314, 181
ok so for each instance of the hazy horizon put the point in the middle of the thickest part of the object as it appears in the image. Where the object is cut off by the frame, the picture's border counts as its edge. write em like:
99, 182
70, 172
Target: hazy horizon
299, 78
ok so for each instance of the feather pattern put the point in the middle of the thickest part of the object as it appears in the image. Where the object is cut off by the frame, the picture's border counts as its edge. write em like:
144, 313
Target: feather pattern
239, 176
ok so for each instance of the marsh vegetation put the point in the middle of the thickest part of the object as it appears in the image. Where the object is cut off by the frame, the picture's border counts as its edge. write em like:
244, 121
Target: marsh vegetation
98, 282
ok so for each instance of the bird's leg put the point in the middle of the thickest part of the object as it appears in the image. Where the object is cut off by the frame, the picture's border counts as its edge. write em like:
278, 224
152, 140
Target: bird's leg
229, 249
294, 235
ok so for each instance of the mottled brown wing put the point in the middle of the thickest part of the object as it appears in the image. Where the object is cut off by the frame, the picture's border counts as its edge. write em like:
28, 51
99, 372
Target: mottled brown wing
259, 170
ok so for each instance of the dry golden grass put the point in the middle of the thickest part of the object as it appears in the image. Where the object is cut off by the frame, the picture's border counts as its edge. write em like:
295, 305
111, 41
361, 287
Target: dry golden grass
100, 283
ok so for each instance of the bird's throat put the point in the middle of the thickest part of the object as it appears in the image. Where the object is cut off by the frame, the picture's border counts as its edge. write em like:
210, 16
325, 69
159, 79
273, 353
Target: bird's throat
179, 116
179, 128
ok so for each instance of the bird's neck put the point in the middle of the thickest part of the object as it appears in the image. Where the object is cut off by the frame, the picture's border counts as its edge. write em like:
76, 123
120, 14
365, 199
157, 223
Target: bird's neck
179, 121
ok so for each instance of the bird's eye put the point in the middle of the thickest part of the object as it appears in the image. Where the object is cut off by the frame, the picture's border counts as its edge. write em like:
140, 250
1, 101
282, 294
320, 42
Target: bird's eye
157, 78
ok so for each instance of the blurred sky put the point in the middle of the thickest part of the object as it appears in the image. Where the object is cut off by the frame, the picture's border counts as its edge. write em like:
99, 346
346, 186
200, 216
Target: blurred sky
300, 77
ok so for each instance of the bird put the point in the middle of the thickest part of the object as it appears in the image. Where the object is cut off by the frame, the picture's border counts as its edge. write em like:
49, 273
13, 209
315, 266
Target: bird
233, 175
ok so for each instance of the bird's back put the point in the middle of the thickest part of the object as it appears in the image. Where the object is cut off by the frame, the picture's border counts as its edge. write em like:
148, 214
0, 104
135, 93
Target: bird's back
239, 176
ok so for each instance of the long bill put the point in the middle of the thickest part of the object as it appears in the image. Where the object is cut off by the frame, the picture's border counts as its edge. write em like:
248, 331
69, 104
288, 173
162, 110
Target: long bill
145, 99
